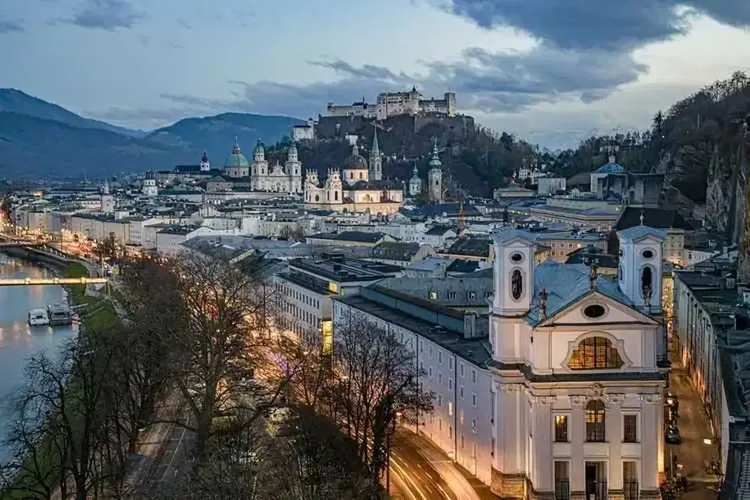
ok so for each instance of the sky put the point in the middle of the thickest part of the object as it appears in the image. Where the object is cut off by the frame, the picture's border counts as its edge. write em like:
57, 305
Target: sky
550, 71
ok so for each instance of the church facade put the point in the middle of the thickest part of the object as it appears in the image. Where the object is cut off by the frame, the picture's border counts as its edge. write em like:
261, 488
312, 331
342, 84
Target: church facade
358, 187
276, 178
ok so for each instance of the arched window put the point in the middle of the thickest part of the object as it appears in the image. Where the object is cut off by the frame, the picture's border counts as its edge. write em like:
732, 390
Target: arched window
516, 284
647, 286
595, 353
595, 421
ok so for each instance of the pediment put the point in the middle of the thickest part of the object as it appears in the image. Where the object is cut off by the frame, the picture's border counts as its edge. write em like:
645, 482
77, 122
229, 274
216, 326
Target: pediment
596, 308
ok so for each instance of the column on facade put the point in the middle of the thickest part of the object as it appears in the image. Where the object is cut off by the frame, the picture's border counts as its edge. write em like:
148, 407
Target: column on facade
651, 412
577, 438
614, 438
542, 475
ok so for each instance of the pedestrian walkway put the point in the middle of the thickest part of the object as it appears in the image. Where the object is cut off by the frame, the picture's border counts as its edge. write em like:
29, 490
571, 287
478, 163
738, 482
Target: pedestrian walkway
698, 446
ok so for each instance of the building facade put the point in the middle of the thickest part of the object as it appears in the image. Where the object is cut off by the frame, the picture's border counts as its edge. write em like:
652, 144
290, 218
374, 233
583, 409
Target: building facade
262, 176
565, 400
397, 103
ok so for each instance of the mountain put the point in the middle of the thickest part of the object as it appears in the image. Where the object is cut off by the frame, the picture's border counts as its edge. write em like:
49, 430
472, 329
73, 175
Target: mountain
216, 134
16, 101
40, 139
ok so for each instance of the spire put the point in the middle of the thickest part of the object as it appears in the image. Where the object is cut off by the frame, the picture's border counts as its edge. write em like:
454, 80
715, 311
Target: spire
236, 148
375, 146
204, 156
642, 218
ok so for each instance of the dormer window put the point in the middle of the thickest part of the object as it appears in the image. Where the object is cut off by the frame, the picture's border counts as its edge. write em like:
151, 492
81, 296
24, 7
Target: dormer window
433, 294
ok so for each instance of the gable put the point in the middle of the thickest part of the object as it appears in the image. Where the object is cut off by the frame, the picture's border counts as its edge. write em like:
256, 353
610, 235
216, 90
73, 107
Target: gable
614, 312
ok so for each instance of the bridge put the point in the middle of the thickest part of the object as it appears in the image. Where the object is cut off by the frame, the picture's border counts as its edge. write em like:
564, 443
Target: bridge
51, 281
18, 243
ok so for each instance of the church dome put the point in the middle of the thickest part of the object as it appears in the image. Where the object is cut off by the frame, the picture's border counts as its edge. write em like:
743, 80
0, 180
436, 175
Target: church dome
236, 159
355, 161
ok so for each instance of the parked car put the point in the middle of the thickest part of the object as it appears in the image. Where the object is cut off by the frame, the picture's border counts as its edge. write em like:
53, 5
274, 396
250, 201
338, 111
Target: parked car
672, 401
672, 436
673, 413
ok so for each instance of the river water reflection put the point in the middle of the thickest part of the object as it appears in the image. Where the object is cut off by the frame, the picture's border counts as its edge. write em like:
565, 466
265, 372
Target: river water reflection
18, 341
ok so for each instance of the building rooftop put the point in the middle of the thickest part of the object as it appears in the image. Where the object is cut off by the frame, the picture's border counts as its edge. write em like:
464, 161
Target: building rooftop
338, 268
474, 246
652, 217
354, 236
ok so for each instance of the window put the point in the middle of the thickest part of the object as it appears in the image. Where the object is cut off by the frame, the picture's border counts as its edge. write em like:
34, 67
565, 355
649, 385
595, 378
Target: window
451, 295
471, 295
516, 257
648, 254
562, 480
594, 311
595, 421
462, 441
461, 392
647, 286
630, 480
630, 428
561, 428
594, 353
473, 376
474, 399
450, 363
429, 372
450, 384
474, 426
433, 295
516, 284
450, 408
440, 357
440, 400
461, 369
440, 378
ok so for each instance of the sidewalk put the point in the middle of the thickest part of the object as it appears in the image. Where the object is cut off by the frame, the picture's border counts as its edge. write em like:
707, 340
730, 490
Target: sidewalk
693, 452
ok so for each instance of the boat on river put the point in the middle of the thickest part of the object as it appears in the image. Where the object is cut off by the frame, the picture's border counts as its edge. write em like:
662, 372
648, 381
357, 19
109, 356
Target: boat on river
59, 315
38, 317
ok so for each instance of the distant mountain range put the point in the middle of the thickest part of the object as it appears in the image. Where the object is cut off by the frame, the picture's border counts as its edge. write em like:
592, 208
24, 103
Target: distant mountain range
41, 139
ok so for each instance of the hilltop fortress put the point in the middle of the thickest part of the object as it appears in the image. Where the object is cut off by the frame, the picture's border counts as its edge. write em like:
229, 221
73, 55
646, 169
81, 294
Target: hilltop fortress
342, 120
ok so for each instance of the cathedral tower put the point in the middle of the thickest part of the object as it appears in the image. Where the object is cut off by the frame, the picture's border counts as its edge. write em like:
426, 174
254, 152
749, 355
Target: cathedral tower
435, 176
376, 158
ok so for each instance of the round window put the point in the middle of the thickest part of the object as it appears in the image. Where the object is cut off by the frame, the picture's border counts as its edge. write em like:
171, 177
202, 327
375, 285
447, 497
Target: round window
594, 311
516, 257
647, 254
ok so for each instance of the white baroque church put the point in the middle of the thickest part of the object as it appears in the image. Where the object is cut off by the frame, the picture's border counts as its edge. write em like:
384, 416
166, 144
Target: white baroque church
264, 177
562, 398
358, 187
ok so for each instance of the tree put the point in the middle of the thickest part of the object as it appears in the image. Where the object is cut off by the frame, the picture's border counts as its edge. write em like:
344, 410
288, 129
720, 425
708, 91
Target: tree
223, 340
376, 381
57, 430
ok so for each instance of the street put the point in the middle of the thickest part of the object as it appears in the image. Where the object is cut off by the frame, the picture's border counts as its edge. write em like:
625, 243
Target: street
420, 471
693, 453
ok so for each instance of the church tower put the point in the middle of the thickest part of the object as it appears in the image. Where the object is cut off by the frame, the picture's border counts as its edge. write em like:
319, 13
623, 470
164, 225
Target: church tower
376, 158
640, 269
415, 183
435, 176
205, 165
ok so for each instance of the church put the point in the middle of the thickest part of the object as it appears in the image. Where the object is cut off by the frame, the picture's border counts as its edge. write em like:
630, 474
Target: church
358, 187
262, 176
551, 386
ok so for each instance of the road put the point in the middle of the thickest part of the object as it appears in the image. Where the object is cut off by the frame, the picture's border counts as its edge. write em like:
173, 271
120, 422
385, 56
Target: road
420, 471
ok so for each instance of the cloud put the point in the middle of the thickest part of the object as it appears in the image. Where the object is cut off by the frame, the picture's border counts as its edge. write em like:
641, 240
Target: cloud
581, 24
108, 15
184, 24
11, 27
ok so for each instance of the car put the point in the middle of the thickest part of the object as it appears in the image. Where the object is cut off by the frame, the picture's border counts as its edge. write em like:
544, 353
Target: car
672, 436
673, 413
672, 401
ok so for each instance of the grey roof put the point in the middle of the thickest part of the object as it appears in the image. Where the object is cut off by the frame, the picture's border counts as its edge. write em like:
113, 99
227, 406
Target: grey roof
567, 284
507, 235
438, 230
474, 246
395, 250
637, 233
359, 236
466, 291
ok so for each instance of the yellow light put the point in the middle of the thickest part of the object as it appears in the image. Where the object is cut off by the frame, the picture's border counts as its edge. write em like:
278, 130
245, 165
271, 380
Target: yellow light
333, 287
327, 336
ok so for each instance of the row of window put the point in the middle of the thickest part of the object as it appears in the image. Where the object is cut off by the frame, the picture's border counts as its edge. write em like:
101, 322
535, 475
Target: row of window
595, 480
301, 297
596, 425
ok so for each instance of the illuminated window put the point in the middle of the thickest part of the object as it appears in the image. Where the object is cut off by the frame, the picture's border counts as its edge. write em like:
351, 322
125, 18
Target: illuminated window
595, 353
595, 421
561, 428
333, 287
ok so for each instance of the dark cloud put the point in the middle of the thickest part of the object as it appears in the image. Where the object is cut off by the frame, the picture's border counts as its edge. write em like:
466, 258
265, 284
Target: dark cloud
582, 24
108, 15
10, 26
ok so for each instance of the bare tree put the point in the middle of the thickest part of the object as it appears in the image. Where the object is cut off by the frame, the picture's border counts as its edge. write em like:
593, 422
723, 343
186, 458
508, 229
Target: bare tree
223, 340
57, 426
376, 381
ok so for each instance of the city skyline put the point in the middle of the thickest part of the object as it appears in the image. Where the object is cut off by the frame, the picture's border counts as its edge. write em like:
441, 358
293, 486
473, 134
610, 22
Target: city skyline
549, 73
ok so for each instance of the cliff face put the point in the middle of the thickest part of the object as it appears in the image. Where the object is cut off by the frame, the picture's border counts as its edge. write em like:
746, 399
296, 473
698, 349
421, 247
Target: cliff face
726, 186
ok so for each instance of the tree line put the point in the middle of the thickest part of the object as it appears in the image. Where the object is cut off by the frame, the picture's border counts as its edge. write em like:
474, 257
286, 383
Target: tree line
197, 350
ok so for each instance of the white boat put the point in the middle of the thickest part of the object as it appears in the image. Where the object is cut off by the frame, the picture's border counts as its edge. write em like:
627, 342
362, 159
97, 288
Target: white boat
38, 317
59, 315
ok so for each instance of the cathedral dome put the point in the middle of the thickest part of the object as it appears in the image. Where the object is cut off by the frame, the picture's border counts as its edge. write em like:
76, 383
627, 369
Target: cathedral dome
355, 161
236, 159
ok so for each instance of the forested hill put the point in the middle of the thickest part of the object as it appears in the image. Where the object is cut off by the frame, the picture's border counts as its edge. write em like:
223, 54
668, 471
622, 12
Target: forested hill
695, 142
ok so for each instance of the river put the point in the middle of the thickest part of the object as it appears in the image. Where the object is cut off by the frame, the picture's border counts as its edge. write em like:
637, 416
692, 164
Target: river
17, 340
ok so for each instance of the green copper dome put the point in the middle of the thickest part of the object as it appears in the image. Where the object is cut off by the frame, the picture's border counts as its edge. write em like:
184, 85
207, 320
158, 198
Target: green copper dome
236, 159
